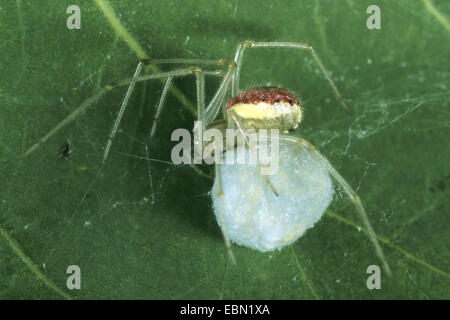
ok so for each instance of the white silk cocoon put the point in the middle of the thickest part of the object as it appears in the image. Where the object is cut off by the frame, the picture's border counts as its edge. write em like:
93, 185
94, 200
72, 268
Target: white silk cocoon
255, 217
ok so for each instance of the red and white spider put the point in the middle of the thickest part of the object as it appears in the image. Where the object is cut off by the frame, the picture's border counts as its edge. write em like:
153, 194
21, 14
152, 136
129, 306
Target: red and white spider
263, 213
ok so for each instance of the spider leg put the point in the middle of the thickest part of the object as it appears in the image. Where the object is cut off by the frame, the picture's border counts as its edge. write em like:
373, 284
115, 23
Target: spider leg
219, 193
199, 171
67, 120
160, 104
123, 107
200, 81
207, 115
295, 45
151, 67
204, 115
91, 100
214, 106
218, 62
350, 193
251, 147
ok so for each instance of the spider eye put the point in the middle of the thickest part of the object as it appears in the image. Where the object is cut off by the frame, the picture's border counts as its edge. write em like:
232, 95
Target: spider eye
263, 99
278, 100
290, 102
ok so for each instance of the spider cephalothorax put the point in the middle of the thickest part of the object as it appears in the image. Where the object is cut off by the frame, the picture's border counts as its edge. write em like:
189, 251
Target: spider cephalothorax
266, 108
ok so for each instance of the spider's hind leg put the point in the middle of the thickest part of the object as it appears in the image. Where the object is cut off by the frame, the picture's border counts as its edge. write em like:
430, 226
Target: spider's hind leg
354, 198
293, 45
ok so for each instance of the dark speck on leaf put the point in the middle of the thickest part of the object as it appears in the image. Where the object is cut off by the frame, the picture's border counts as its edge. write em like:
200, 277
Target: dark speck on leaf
65, 150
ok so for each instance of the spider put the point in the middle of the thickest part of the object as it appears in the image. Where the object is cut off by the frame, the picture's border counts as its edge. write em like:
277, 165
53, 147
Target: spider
256, 108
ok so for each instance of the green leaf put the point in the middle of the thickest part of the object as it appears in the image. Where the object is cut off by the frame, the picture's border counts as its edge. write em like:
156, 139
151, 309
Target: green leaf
136, 239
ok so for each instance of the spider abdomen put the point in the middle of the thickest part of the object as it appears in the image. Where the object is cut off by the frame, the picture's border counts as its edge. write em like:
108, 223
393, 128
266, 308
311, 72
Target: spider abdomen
266, 108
